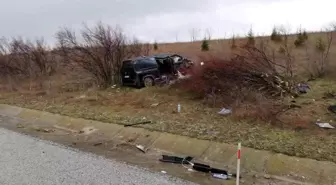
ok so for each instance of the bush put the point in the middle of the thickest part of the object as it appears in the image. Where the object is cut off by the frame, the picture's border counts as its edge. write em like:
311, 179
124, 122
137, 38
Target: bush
320, 45
205, 45
26, 58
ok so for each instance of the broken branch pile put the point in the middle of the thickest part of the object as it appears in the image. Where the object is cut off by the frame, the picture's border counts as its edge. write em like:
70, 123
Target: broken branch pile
250, 71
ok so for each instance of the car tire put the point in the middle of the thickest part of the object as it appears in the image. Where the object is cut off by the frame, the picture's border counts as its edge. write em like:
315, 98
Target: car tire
148, 82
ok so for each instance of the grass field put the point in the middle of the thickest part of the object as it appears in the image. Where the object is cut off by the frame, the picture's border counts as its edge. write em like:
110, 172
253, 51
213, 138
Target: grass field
298, 136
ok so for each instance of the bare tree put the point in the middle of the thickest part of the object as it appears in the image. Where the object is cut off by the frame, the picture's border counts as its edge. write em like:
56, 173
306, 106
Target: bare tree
208, 34
287, 52
99, 50
194, 33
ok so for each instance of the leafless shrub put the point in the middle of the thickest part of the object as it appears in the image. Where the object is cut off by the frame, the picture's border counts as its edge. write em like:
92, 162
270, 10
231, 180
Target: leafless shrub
99, 50
271, 73
194, 33
319, 58
233, 44
26, 58
208, 34
287, 57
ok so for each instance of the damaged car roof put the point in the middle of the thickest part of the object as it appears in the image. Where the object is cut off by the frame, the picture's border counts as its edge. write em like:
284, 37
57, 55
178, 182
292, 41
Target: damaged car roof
163, 55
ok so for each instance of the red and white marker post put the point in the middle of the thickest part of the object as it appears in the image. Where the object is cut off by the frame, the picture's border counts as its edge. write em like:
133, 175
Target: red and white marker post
238, 163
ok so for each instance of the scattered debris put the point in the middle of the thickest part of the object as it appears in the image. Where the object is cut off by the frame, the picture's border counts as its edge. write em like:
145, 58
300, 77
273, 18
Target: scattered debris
87, 130
97, 144
181, 76
179, 108
332, 108
65, 129
44, 130
267, 176
155, 105
225, 111
141, 148
19, 126
325, 125
175, 159
201, 167
220, 176
48, 130
217, 173
82, 97
303, 88
138, 123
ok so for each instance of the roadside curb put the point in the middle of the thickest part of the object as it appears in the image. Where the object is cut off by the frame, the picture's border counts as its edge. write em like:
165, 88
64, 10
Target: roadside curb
257, 161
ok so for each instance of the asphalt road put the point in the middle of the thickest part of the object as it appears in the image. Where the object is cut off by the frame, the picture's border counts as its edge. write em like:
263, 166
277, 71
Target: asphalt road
28, 161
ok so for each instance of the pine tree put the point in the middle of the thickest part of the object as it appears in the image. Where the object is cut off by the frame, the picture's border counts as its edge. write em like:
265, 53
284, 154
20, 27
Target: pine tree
250, 37
156, 47
276, 36
301, 38
205, 45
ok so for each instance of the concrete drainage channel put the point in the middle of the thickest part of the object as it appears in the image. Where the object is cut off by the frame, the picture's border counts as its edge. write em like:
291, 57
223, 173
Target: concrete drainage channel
100, 137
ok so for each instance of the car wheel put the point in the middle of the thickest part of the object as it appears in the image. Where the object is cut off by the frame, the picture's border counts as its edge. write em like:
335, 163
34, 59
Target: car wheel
148, 82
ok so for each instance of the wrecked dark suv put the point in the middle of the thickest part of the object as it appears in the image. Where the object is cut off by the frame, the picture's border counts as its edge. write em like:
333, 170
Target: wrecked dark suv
146, 71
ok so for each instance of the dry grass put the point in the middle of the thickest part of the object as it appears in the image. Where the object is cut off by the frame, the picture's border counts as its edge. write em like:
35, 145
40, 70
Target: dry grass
129, 105
298, 136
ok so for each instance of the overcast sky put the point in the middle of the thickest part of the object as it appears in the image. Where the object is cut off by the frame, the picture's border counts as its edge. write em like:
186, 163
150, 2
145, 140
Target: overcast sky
163, 20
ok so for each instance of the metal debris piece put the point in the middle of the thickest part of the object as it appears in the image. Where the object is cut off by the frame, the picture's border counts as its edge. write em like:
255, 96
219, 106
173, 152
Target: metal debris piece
139, 123
154, 104
141, 148
225, 111
220, 176
48, 130
325, 125
97, 144
266, 176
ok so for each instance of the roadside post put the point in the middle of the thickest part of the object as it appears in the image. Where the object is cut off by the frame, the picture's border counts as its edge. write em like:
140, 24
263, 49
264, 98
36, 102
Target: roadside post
238, 163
